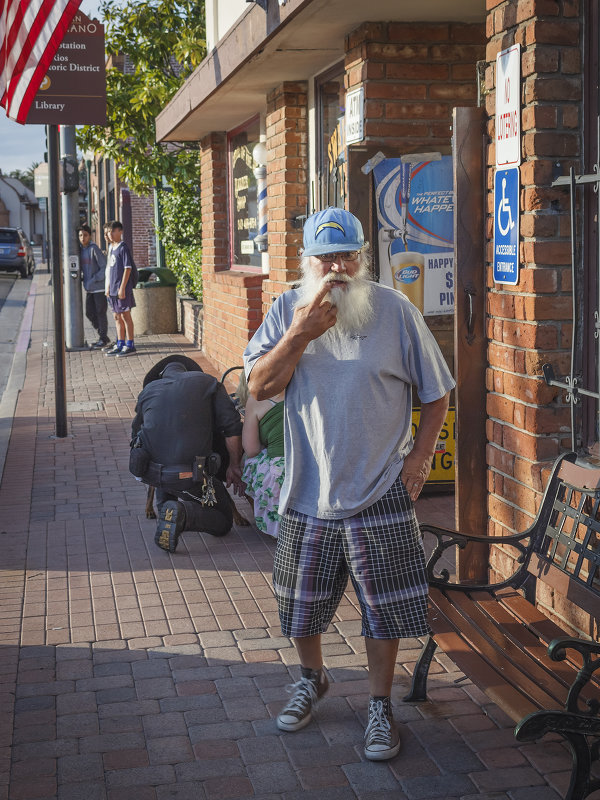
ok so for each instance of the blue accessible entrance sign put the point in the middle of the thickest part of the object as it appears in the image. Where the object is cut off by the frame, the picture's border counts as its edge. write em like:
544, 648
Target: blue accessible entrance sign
506, 226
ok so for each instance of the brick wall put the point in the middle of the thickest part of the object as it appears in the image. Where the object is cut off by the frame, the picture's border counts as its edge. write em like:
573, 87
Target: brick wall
413, 74
287, 153
530, 324
231, 298
142, 226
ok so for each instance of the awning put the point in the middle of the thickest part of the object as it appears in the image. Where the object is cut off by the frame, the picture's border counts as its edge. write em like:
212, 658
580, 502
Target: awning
288, 43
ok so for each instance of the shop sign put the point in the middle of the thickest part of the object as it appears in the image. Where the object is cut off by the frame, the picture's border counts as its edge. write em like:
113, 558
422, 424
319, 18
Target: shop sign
508, 107
442, 466
73, 91
415, 217
355, 115
506, 226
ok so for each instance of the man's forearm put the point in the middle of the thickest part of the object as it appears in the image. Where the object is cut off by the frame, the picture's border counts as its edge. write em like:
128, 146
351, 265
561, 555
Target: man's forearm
432, 418
234, 449
272, 372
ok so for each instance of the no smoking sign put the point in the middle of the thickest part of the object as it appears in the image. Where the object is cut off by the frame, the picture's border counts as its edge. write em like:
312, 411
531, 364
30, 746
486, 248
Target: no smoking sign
508, 107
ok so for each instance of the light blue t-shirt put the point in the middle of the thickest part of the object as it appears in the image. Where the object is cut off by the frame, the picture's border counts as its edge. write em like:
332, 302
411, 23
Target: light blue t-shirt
348, 406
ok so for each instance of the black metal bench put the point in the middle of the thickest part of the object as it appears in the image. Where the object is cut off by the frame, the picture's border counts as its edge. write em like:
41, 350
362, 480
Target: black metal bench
538, 673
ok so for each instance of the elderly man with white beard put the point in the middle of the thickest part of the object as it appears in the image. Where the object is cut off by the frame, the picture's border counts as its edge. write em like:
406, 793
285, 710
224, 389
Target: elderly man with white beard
347, 352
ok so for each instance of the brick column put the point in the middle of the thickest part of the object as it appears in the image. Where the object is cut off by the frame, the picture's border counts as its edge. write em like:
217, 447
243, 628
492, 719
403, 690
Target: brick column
213, 191
530, 324
231, 298
413, 74
287, 146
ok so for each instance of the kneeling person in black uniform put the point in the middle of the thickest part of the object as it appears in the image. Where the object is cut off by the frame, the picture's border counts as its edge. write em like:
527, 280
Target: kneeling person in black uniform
186, 441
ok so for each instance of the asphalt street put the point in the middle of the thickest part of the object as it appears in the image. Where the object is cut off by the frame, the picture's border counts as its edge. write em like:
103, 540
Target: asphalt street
15, 301
7, 280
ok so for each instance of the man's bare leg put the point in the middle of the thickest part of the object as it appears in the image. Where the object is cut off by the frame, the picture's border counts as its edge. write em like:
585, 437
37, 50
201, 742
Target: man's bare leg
309, 650
381, 658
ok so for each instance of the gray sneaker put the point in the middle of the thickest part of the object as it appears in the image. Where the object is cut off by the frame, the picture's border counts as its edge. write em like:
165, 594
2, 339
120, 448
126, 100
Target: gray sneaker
113, 351
297, 713
382, 740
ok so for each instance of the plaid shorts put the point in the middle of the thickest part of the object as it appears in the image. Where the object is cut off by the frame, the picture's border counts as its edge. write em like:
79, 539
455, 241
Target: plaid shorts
380, 549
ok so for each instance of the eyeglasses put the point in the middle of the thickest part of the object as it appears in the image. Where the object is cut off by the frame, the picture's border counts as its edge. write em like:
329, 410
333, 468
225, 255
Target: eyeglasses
328, 258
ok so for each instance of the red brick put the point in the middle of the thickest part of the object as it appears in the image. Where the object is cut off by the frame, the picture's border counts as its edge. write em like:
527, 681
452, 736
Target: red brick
526, 9
125, 759
501, 408
538, 89
539, 60
553, 32
539, 117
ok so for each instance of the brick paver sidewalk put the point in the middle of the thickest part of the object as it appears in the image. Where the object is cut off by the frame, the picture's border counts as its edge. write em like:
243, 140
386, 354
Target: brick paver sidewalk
130, 674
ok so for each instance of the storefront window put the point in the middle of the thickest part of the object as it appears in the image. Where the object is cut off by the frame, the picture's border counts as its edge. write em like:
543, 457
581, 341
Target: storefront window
243, 207
331, 151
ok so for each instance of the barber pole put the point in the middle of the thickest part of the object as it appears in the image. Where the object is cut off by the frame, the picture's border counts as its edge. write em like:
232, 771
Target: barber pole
259, 154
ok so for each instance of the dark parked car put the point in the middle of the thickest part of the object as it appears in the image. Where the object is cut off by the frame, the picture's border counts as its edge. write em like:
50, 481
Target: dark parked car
16, 254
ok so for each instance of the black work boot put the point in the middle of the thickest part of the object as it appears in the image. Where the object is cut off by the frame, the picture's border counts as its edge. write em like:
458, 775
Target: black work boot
171, 521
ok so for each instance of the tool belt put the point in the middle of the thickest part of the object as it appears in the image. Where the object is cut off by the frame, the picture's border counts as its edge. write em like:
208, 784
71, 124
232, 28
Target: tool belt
181, 475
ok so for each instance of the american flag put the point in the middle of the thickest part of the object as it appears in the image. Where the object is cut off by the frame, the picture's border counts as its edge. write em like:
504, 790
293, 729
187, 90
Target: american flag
30, 34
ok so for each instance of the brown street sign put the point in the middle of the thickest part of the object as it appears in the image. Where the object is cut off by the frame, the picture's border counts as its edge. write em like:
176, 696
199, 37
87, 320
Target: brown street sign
74, 89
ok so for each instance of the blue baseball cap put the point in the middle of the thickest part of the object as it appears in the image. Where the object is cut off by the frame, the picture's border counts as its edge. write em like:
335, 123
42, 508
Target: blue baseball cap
332, 230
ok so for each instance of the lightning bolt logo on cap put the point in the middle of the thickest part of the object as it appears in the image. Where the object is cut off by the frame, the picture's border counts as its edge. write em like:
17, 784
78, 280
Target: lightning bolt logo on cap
324, 225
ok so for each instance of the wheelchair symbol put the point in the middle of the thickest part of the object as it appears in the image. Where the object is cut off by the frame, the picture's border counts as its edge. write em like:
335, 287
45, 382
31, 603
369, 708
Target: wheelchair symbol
504, 208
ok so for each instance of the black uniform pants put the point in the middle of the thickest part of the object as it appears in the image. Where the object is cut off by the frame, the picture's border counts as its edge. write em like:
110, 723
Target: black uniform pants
216, 520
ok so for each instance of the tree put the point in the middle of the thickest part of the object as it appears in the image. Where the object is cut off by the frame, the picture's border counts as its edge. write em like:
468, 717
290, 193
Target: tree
155, 45
27, 177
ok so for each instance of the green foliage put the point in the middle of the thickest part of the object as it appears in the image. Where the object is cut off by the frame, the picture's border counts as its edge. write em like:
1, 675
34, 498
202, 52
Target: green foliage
182, 236
162, 41
27, 177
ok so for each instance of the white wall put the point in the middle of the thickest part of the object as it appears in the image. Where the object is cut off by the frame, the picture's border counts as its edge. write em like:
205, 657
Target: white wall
31, 220
12, 202
220, 16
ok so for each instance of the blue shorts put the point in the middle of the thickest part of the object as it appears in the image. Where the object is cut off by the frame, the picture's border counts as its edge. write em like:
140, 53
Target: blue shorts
379, 549
119, 306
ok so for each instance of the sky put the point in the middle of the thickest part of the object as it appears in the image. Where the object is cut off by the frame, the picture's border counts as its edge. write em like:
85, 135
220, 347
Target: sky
21, 145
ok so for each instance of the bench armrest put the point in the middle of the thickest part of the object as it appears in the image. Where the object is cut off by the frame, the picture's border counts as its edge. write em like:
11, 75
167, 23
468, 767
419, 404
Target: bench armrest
448, 538
557, 650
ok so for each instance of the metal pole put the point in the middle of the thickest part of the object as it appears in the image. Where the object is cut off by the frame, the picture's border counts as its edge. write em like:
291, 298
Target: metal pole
70, 223
88, 173
60, 393
160, 248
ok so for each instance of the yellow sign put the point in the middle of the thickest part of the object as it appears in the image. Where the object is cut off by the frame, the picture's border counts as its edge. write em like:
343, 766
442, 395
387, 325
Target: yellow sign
442, 469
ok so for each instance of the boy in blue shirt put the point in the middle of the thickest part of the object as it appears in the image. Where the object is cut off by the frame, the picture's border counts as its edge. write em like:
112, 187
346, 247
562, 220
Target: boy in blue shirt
121, 278
93, 265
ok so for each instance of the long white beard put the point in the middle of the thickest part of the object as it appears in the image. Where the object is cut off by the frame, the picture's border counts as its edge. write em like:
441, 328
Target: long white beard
353, 303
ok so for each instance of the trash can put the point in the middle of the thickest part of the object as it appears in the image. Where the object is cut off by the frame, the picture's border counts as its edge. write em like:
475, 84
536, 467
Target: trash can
155, 310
